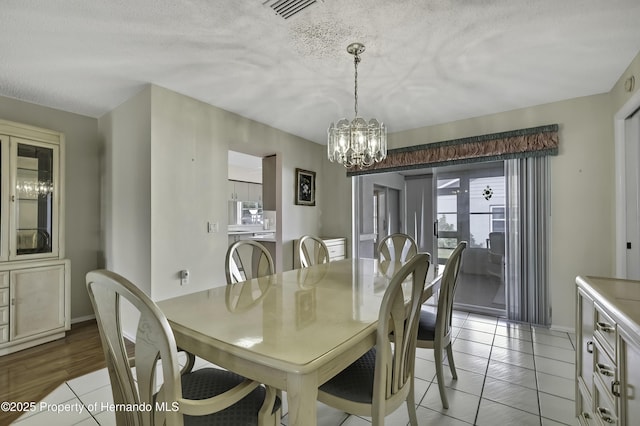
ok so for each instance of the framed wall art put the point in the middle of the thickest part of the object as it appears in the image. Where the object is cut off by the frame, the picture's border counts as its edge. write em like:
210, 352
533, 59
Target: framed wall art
305, 187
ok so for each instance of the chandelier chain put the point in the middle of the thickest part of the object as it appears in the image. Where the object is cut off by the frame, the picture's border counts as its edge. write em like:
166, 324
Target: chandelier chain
356, 60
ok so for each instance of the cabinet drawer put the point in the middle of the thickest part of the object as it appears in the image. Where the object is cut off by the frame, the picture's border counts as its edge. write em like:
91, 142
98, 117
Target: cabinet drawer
4, 315
605, 331
335, 251
604, 371
4, 296
604, 408
4, 333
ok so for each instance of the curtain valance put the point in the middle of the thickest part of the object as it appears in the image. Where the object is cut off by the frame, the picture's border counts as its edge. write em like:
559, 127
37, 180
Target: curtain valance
531, 142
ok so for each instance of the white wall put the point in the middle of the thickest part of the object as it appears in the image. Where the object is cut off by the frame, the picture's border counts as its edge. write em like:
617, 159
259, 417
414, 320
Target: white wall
182, 184
82, 195
126, 186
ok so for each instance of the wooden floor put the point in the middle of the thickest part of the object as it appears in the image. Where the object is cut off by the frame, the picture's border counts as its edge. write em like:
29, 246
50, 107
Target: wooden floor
31, 374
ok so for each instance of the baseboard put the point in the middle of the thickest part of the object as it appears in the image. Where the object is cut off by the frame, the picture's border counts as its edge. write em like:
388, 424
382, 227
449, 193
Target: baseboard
82, 319
563, 329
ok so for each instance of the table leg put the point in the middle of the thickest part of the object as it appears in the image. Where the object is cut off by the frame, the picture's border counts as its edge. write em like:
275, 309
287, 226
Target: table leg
302, 392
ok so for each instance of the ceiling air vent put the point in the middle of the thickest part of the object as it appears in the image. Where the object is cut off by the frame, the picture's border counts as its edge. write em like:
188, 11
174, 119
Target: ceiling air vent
288, 8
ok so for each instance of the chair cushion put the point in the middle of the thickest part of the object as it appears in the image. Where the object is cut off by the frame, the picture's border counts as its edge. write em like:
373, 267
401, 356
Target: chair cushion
208, 382
427, 325
355, 382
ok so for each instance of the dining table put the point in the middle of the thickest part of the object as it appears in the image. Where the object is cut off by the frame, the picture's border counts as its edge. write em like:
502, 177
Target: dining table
293, 330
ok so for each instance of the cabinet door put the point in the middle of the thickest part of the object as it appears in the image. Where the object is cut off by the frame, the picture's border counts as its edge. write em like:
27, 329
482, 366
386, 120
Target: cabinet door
35, 204
242, 190
4, 197
37, 301
584, 352
629, 387
255, 192
232, 190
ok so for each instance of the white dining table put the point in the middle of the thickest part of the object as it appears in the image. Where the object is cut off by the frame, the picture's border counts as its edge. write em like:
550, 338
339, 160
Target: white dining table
293, 330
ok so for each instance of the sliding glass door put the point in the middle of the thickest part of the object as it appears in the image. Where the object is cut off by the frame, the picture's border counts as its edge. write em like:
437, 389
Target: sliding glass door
470, 206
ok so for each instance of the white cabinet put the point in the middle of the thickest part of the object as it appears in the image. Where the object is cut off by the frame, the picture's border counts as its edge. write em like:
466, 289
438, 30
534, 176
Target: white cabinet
255, 192
34, 277
609, 309
337, 247
244, 191
238, 191
584, 356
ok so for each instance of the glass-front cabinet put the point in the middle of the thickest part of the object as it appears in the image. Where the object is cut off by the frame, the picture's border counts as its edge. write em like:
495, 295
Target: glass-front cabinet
34, 203
34, 276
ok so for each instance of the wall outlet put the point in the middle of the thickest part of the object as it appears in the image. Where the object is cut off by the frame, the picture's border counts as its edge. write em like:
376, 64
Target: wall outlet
184, 277
213, 227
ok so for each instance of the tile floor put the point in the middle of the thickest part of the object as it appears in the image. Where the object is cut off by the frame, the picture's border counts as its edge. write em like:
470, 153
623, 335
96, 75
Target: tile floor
508, 374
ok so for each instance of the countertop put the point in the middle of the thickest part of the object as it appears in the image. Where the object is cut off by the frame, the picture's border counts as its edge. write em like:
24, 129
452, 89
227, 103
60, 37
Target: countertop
621, 298
257, 233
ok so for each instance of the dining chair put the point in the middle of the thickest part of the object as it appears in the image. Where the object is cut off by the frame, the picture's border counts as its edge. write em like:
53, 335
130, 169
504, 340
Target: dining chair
381, 380
397, 247
183, 397
312, 251
247, 259
434, 330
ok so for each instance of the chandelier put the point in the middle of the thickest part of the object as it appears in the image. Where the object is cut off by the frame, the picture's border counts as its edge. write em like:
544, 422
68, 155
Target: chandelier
357, 143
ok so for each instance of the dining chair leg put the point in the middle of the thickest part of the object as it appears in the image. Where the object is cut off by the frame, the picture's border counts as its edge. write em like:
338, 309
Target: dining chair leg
411, 405
267, 416
440, 376
452, 364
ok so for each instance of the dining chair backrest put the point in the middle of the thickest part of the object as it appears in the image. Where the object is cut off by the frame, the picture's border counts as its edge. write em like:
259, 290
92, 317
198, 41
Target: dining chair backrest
381, 380
244, 295
434, 330
397, 247
153, 341
312, 251
447, 293
247, 259
397, 335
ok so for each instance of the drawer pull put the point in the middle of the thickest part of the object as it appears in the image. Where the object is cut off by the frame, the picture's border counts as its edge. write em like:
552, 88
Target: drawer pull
606, 415
604, 370
603, 326
615, 388
590, 346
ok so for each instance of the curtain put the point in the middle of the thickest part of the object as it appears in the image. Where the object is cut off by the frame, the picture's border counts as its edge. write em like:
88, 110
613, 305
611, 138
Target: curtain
531, 142
528, 216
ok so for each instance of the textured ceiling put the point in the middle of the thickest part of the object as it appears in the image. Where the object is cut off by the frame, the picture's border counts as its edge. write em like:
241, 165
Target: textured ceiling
426, 61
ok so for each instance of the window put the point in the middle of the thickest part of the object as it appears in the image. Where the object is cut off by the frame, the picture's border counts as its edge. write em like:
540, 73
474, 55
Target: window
497, 219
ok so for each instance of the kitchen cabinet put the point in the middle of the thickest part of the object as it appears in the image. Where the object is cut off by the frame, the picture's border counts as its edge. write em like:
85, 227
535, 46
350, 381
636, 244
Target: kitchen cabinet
238, 190
244, 191
255, 192
609, 308
34, 276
